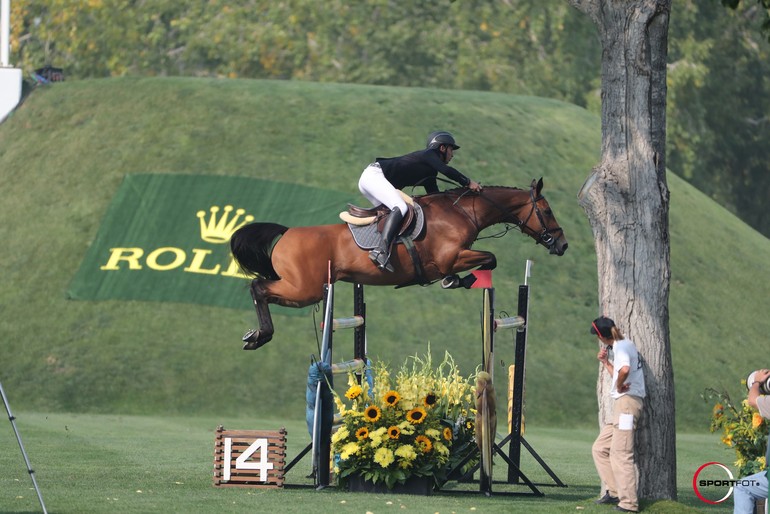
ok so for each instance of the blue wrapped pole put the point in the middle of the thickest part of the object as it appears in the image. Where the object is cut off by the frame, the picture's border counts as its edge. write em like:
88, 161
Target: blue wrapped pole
319, 372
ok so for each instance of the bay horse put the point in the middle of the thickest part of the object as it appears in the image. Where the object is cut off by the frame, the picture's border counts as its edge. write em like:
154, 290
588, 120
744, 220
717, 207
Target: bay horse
291, 265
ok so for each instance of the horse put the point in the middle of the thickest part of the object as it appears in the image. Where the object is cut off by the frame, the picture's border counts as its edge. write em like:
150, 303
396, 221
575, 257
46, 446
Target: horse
291, 265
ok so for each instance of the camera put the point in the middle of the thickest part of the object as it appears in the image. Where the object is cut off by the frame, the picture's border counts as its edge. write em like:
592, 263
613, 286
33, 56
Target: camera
764, 387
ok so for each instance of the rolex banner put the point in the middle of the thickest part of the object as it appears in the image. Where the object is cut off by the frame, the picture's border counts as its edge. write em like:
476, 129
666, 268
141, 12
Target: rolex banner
166, 237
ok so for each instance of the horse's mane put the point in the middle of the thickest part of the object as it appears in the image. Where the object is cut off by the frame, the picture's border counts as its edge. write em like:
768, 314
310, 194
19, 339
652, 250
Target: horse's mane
459, 191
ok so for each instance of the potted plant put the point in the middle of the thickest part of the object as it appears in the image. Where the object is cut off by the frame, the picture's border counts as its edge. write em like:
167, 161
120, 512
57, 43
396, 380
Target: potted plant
405, 430
743, 430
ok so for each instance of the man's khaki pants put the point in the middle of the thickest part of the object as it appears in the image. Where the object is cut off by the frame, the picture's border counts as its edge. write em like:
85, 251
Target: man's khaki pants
613, 451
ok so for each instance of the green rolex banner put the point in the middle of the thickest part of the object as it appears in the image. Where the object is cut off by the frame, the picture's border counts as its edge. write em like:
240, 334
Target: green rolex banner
166, 237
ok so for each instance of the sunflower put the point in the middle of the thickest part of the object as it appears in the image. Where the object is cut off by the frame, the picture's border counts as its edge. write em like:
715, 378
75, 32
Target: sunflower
394, 432
354, 392
391, 398
372, 413
423, 443
362, 433
416, 415
448, 433
430, 400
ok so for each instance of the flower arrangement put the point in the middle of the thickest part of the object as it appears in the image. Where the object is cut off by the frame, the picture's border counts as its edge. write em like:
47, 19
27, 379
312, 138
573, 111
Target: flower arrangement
416, 423
743, 429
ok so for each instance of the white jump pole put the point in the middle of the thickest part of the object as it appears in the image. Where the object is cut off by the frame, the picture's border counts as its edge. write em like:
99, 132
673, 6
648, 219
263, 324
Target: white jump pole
10, 78
5, 32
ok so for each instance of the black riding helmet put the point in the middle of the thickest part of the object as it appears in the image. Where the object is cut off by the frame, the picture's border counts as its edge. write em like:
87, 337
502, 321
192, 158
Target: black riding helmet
441, 137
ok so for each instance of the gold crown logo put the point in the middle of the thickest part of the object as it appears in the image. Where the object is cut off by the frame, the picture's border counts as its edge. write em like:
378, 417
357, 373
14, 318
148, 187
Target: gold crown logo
220, 230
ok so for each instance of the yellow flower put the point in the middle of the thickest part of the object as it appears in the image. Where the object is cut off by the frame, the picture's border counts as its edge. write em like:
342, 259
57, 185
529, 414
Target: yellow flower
756, 420
416, 415
406, 428
376, 436
362, 433
441, 449
372, 413
340, 434
383, 457
391, 398
348, 450
448, 434
394, 432
430, 400
406, 453
728, 439
423, 443
354, 392
433, 434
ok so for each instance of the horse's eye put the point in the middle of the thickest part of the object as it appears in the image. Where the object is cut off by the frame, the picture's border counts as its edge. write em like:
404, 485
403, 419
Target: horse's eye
548, 212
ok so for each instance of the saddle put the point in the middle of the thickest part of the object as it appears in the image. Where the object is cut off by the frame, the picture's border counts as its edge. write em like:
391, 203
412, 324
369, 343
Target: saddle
361, 216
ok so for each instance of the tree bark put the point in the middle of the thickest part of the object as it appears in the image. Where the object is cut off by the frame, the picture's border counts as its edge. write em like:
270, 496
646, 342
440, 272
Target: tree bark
626, 199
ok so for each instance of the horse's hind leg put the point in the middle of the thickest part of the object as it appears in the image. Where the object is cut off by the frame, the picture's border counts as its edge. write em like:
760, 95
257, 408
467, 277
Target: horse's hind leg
255, 338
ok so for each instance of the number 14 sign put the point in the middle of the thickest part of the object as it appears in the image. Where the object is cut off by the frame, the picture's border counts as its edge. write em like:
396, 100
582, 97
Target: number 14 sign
249, 458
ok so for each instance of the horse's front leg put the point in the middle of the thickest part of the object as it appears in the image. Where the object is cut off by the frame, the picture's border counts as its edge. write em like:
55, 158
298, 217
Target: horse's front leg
255, 338
466, 260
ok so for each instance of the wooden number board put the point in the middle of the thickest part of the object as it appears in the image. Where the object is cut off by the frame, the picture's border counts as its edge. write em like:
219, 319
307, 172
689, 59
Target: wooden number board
249, 458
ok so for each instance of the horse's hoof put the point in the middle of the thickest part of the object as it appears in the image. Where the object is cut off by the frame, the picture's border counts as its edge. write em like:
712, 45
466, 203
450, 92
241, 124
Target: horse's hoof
450, 282
252, 340
253, 345
251, 336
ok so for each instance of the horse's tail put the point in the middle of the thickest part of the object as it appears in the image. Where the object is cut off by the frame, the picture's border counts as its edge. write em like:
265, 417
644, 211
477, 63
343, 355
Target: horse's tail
252, 245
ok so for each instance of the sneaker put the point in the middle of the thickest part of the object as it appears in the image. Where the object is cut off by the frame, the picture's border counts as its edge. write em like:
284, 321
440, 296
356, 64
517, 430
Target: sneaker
607, 499
621, 509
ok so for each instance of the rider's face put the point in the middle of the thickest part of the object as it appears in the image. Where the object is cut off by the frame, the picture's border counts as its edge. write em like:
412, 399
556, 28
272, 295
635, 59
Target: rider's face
448, 153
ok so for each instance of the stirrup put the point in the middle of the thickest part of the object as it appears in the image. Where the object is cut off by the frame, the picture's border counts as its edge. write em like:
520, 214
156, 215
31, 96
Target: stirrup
381, 260
450, 282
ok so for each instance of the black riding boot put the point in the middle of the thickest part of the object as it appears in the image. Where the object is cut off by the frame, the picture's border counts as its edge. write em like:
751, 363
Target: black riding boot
381, 254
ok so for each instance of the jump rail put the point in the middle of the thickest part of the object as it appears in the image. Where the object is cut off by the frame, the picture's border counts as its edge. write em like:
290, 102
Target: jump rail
323, 406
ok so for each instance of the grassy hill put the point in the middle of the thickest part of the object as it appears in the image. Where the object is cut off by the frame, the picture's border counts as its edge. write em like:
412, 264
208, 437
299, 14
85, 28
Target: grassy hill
64, 152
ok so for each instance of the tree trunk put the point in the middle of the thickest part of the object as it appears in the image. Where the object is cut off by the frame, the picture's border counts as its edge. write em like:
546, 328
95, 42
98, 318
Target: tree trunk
626, 199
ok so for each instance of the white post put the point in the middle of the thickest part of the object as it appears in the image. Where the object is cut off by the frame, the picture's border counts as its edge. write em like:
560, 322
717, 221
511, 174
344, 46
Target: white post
5, 32
10, 78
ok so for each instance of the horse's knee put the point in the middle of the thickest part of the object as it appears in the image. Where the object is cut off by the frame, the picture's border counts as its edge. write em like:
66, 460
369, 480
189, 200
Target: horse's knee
490, 264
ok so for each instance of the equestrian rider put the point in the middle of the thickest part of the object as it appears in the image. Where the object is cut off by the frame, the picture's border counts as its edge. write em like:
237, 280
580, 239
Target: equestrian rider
381, 179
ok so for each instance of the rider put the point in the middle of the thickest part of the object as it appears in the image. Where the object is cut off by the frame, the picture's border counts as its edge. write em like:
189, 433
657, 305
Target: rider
381, 179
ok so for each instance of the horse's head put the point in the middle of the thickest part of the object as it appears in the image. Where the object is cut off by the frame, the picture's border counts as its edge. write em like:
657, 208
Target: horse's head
540, 223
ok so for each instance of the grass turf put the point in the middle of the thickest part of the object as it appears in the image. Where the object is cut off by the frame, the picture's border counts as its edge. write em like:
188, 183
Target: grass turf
113, 463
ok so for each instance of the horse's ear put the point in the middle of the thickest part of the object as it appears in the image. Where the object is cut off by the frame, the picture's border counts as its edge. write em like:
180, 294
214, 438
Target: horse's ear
537, 185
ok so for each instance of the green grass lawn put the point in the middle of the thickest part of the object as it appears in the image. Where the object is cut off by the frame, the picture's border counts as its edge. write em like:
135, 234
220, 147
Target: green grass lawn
113, 463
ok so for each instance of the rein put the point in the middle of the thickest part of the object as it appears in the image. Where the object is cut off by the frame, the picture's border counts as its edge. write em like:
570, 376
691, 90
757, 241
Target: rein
544, 237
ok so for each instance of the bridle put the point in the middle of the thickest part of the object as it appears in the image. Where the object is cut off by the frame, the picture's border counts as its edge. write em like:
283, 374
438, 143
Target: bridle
544, 237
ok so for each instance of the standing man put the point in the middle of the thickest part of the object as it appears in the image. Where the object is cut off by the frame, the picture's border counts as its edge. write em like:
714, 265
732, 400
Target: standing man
754, 487
614, 449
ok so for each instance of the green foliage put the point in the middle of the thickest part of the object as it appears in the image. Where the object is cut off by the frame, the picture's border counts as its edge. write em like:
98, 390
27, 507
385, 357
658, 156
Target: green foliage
523, 46
743, 429
719, 106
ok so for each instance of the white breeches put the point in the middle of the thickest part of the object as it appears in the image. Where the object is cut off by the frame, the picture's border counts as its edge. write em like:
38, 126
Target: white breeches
376, 188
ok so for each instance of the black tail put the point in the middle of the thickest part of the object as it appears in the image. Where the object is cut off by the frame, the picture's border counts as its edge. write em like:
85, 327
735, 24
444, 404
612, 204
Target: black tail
252, 245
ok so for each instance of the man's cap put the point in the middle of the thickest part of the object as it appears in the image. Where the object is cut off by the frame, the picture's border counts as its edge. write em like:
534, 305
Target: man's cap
602, 326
